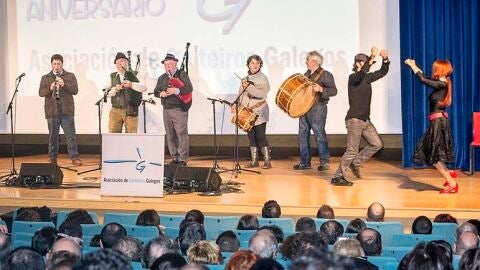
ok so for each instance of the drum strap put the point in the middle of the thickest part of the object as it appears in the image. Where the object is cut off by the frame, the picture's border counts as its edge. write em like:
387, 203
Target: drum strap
318, 75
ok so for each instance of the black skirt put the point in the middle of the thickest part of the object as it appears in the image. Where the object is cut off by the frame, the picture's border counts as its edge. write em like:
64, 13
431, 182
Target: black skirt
436, 144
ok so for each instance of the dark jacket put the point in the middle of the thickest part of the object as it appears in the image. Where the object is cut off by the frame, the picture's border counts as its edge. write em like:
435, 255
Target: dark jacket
174, 101
66, 94
326, 81
127, 99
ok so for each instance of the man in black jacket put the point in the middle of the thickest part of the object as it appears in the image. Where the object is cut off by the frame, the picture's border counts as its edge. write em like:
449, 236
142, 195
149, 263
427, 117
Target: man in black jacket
358, 116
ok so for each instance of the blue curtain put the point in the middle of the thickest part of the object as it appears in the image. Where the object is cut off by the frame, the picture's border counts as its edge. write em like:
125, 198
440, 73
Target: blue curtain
440, 29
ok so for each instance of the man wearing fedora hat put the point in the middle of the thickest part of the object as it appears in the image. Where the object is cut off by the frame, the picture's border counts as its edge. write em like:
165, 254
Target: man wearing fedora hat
126, 95
172, 87
358, 116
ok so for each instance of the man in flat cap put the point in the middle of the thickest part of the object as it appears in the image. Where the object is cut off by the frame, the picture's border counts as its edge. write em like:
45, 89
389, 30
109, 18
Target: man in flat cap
358, 116
175, 90
126, 95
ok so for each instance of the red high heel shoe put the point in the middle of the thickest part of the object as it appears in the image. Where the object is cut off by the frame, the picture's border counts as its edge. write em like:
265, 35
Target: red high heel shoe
449, 189
453, 174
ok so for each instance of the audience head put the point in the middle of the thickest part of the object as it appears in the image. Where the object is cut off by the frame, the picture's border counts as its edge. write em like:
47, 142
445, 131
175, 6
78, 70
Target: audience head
445, 247
422, 225
24, 258
465, 227
466, 241
248, 222
371, 242
376, 212
445, 218
157, 247
267, 264
355, 226
79, 216
349, 248
264, 244
242, 260
103, 259
305, 224
470, 260
228, 242
73, 231
320, 260
331, 229
286, 249
476, 223
307, 241
193, 232
130, 247
111, 233
271, 209
148, 217
205, 252
277, 231
5, 246
62, 260
43, 240
325, 211
66, 244
195, 215
169, 261
426, 256
28, 214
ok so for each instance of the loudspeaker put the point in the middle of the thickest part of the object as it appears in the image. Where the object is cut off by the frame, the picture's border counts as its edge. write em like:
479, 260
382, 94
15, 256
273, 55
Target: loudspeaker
196, 179
37, 174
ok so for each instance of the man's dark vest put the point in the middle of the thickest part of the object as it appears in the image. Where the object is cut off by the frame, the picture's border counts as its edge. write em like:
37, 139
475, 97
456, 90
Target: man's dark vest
127, 98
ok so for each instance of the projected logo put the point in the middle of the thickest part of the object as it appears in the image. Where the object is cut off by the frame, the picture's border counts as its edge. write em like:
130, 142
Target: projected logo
231, 15
140, 164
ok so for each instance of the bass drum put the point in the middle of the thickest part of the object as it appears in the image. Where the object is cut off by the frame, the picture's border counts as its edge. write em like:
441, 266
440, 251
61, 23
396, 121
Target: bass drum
296, 95
246, 118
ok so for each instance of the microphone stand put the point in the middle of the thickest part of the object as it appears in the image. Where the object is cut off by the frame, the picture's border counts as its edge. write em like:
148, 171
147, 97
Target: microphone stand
215, 166
237, 168
13, 171
145, 112
99, 105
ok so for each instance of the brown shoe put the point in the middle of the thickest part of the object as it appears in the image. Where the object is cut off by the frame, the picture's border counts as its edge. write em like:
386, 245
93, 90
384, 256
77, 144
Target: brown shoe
77, 162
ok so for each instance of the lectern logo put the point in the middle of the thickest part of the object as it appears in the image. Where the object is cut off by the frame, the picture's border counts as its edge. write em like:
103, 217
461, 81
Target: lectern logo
140, 164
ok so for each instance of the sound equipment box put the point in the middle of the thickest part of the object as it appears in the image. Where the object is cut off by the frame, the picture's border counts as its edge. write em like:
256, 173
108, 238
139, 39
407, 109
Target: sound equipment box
196, 179
38, 174
169, 174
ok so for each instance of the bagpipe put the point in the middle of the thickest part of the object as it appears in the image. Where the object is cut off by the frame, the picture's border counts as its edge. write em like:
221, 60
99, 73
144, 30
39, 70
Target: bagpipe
177, 83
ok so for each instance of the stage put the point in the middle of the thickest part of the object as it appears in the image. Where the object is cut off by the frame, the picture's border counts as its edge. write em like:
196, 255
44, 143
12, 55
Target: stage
405, 193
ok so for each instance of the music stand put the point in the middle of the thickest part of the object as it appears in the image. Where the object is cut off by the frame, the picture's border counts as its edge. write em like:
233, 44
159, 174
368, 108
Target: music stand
215, 166
98, 104
13, 171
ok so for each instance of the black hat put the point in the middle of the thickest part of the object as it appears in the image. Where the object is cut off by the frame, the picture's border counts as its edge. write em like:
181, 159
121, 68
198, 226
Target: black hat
120, 55
169, 56
360, 57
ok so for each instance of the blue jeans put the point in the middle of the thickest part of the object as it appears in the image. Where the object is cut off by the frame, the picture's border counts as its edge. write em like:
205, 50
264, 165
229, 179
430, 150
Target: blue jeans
314, 120
68, 125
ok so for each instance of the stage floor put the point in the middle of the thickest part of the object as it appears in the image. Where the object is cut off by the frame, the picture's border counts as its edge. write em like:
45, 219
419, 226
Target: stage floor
405, 193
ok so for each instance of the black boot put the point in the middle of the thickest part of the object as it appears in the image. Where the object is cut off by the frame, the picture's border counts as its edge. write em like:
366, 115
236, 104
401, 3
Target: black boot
254, 156
266, 157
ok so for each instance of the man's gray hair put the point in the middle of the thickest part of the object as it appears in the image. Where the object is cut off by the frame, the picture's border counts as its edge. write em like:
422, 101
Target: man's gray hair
316, 56
264, 244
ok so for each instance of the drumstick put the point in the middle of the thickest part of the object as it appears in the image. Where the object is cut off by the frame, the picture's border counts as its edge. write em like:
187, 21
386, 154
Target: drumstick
238, 76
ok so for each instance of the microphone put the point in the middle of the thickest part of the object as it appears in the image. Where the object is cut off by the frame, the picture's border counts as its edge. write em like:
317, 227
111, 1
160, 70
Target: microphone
21, 75
151, 101
188, 44
151, 93
105, 93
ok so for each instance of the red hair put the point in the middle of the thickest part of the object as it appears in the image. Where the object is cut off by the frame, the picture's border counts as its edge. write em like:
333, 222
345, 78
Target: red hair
443, 68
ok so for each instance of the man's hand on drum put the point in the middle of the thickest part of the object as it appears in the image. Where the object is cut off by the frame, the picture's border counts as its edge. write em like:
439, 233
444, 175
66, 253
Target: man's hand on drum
317, 88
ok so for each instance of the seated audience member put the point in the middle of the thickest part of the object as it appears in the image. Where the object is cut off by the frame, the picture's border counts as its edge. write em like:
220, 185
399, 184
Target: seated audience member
205, 252
321, 260
95, 241
248, 222
73, 231
371, 242
242, 260
286, 249
170, 261
355, 226
149, 217
331, 229
376, 212
130, 247
422, 225
325, 211
157, 247
111, 233
470, 260
307, 241
271, 209
264, 244
43, 240
465, 227
79, 216
445, 247
466, 241
277, 231
5, 247
476, 223
103, 259
228, 241
305, 224
62, 260
445, 218
195, 215
267, 263
425, 256
351, 248
192, 233
195, 266
66, 244
28, 214
24, 258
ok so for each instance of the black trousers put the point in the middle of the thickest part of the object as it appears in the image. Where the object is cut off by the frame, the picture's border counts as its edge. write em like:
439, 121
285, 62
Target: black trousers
257, 137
